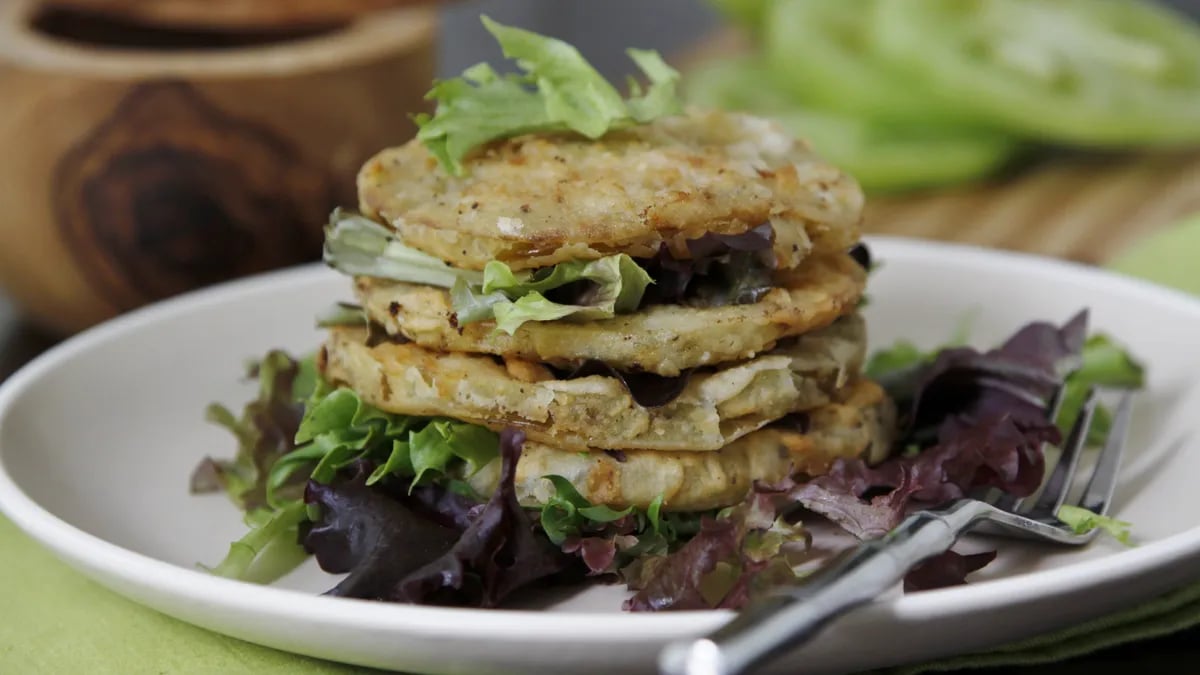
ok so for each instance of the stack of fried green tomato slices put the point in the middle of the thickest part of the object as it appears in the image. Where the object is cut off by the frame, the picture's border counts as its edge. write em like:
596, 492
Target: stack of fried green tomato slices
664, 302
645, 306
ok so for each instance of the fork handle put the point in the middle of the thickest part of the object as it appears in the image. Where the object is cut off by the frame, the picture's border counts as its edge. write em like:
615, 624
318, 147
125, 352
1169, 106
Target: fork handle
791, 617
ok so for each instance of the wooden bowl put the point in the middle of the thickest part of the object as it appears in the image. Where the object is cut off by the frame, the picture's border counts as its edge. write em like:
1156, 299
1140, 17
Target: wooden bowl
132, 174
242, 14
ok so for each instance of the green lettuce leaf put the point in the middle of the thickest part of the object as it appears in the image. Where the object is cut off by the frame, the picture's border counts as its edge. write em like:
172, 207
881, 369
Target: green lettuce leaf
1082, 521
558, 90
617, 538
269, 550
399, 462
900, 356
342, 314
661, 98
535, 307
330, 411
1105, 364
264, 430
618, 284
336, 430
904, 356
357, 245
472, 305
443, 441
567, 513
339, 428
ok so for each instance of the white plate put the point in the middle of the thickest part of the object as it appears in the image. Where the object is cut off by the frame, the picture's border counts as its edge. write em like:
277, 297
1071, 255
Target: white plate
98, 436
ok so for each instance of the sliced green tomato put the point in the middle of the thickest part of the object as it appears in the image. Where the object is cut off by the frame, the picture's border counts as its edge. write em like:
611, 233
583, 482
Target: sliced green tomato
737, 83
748, 13
882, 156
1091, 72
887, 158
822, 54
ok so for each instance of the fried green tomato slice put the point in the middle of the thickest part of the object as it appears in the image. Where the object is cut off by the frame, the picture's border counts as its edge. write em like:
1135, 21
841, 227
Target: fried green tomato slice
661, 339
858, 423
714, 408
537, 200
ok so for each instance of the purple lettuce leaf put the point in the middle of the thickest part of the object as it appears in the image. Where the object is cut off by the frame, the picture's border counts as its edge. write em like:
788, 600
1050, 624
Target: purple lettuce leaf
676, 581
599, 554
436, 502
499, 553
265, 431
982, 420
862, 255
430, 545
649, 390
372, 536
945, 570
961, 381
723, 269
730, 560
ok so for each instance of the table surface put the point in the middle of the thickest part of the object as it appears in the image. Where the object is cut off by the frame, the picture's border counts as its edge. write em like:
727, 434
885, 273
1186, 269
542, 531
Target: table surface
1083, 207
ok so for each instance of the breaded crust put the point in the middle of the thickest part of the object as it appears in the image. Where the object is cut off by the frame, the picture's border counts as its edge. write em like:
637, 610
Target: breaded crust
533, 201
859, 423
664, 339
714, 408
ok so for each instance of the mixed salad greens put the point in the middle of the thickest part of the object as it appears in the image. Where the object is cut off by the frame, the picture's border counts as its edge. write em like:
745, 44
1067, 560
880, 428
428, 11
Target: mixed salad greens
906, 94
722, 269
385, 498
558, 91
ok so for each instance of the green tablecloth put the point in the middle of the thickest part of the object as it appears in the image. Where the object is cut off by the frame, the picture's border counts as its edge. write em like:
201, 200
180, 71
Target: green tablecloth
53, 620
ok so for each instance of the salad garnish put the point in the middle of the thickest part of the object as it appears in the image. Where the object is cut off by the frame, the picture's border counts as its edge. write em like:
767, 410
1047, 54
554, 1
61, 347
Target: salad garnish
383, 498
721, 270
557, 91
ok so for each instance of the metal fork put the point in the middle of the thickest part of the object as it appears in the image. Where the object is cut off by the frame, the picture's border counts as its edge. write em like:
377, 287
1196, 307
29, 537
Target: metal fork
792, 616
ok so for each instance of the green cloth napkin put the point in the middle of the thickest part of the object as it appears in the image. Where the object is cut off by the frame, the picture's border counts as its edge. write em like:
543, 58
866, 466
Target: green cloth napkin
54, 620
1175, 611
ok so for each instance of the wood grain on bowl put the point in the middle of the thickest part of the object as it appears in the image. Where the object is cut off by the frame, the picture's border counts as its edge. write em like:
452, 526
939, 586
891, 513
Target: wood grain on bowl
171, 192
242, 14
135, 171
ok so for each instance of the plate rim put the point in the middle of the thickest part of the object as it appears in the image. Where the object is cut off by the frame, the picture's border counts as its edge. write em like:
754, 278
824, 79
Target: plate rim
89, 553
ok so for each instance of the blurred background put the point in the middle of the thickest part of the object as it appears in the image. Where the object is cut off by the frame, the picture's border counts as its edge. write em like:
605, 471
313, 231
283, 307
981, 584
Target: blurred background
155, 146
602, 30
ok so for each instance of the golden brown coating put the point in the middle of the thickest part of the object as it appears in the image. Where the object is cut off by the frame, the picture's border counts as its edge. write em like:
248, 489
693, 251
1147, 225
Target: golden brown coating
860, 422
533, 201
714, 408
663, 339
